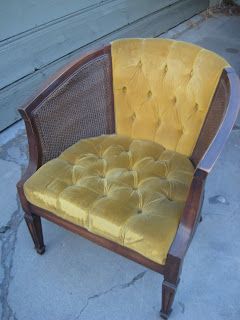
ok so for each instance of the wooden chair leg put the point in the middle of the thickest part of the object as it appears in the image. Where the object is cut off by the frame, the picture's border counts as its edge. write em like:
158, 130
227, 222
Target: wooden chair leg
35, 228
168, 294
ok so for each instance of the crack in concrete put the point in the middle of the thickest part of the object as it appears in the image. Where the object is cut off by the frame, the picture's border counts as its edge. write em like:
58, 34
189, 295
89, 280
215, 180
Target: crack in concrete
12, 151
218, 199
138, 277
236, 127
5, 228
18, 144
182, 306
8, 239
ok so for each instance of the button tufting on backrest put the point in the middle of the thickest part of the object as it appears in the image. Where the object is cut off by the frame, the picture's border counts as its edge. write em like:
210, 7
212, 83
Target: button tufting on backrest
178, 73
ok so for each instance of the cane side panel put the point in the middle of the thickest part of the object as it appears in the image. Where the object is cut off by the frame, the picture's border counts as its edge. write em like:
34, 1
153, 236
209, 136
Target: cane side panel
80, 107
213, 119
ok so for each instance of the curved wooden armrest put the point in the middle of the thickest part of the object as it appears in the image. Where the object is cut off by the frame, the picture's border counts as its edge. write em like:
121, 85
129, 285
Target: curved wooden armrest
190, 216
27, 174
34, 159
215, 148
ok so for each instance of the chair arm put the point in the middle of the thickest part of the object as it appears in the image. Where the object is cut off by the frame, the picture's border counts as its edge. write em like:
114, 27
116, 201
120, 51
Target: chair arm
190, 217
191, 213
34, 160
215, 148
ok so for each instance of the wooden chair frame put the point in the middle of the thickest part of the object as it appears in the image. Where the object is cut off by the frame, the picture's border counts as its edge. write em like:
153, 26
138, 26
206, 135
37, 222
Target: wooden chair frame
203, 162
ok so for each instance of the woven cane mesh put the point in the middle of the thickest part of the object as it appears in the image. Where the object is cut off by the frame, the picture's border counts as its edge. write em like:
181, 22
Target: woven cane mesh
80, 107
213, 120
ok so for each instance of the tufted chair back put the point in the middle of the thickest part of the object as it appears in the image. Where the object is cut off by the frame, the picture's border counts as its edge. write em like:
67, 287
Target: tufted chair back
163, 89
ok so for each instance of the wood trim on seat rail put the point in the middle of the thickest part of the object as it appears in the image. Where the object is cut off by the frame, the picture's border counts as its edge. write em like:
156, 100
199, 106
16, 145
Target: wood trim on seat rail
113, 246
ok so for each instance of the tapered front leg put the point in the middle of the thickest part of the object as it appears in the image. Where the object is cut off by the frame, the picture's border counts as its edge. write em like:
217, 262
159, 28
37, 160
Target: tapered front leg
168, 294
35, 228
170, 283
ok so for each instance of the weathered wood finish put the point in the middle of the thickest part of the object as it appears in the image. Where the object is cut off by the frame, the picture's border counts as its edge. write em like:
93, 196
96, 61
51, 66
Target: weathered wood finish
191, 214
82, 26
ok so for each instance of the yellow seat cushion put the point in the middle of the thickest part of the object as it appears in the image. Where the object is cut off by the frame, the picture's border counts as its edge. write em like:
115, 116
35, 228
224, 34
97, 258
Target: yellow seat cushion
163, 89
130, 191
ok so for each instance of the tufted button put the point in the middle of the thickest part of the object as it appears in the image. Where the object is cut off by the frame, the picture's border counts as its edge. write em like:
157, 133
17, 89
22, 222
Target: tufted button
174, 100
149, 94
158, 123
196, 107
139, 211
134, 189
165, 69
191, 74
124, 89
133, 116
139, 64
102, 176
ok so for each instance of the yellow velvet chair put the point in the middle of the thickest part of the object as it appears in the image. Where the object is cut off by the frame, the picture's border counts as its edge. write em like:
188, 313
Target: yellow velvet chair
120, 144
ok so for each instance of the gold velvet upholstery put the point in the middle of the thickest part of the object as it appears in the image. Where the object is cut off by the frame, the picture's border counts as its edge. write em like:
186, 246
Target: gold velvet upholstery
127, 190
131, 187
163, 89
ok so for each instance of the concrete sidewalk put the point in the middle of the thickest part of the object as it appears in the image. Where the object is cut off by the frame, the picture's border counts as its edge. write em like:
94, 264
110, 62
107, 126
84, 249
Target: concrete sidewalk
77, 280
